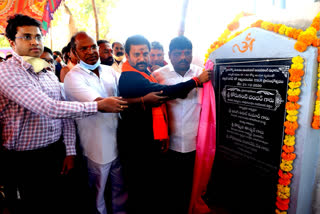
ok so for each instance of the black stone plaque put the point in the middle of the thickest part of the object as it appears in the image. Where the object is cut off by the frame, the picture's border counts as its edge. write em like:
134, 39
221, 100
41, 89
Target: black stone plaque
251, 96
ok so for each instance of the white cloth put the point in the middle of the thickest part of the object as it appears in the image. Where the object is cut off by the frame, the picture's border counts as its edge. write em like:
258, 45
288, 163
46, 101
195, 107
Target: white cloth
183, 114
98, 174
97, 132
117, 67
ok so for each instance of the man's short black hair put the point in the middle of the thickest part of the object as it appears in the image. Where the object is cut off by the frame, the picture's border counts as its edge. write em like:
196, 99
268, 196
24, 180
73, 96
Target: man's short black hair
156, 45
19, 20
48, 50
116, 43
180, 43
57, 53
101, 41
65, 50
136, 40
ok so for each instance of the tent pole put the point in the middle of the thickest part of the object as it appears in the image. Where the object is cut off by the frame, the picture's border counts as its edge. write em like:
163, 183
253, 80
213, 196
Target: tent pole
183, 18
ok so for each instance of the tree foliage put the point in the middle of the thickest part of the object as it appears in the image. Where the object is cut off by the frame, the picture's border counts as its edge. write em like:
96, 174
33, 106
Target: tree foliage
4, 42
82, 12
79, 16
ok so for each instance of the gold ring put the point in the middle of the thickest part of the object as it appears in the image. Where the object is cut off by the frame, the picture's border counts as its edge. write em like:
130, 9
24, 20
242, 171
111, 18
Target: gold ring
121, 107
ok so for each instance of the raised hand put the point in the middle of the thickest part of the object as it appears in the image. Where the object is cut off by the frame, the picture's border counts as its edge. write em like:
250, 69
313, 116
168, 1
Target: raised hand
205, 76
112, 105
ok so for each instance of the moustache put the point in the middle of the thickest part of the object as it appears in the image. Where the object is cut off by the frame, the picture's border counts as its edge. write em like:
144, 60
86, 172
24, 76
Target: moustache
142, 63
120, 54
183, 61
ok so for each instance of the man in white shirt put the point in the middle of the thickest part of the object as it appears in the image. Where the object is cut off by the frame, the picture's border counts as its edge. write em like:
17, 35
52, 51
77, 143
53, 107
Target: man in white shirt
89, 81
118, 55
183, 117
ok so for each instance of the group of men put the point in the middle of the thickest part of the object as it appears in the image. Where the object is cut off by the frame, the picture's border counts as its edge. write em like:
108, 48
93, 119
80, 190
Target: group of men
146, 152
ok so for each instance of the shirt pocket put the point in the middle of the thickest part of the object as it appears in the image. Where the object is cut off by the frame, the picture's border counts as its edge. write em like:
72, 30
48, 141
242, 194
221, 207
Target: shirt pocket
196, 96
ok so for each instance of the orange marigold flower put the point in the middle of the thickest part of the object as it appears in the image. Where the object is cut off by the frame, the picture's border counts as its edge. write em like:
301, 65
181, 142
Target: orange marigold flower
282, 206
296, 33
306, 38
285, 175
316, 42
300, 46
293, 98
257, 23
296, 72
318, 58
283, 201
290, 131
316, 122
288, 156
284, 182
316, 23
276, 28
233, 25
288, 149
291, 125
294, 78
292, 106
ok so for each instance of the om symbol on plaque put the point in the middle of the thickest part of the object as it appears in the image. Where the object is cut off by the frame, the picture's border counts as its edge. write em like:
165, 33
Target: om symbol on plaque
247, 44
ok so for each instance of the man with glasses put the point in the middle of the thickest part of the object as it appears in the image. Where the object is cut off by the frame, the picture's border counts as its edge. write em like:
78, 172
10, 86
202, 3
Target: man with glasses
37, 130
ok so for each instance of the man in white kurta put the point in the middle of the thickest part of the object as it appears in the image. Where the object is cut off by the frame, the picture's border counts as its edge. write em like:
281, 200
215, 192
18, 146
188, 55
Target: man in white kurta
183, 116
88, 81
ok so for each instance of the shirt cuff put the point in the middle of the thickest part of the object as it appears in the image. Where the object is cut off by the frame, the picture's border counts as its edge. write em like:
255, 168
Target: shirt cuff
91, 107
70, 150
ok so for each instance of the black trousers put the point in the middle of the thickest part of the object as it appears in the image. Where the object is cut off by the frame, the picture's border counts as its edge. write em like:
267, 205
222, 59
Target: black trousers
32, 179
178, 176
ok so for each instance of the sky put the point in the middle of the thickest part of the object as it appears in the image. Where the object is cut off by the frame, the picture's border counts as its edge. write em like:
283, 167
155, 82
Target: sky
205, 22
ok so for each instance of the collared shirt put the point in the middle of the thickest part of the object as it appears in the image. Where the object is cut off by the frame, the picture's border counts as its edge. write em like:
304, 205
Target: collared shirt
31, 111
183, 114
97, 132
117, 67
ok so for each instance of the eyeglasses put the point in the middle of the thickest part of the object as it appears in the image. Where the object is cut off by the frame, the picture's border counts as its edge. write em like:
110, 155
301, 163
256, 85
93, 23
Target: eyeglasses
86, 48
38, 38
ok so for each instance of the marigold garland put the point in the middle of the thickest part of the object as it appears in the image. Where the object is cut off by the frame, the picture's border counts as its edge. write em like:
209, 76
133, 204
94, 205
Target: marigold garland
225, 36
316, 113
291, 125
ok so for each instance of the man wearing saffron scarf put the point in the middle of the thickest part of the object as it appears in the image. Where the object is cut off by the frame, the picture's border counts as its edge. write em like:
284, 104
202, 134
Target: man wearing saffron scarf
143, 132
184, 117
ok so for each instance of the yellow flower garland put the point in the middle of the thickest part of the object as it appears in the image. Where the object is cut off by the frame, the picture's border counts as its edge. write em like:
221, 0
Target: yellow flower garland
286, 165
316, 112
